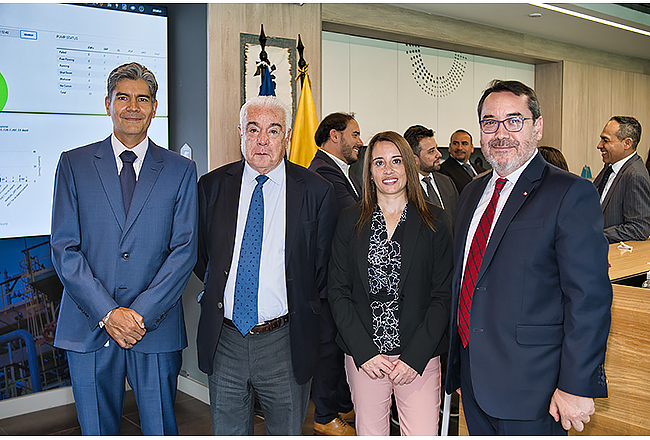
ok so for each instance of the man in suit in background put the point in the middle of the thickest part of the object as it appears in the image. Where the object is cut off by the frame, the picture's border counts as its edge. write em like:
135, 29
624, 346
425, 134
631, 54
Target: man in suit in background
339, 139
438, 188
623, 183
124, 245
265, 227
531, 295
458, 166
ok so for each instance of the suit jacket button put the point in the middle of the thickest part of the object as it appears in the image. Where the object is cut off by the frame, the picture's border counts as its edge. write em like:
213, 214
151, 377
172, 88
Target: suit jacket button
126, 255
220, 305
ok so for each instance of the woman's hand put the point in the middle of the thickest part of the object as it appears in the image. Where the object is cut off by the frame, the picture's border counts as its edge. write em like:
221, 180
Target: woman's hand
402, 374
377, 366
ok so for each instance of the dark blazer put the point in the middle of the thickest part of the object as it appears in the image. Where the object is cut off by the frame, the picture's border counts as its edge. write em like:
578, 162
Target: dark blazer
540, 312
330, 171
453, 169
310, 222
106, 259
626, 206
424, 289
448, 192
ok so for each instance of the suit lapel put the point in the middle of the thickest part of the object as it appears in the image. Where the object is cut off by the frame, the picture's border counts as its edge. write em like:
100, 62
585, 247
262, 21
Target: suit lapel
151, 167
412, 227
295, 195
523, 189
354, 179
617, 178
362, 254
106, 167
230, 207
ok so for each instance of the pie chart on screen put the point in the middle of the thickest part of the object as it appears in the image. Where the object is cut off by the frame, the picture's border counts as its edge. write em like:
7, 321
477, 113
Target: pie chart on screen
3, 92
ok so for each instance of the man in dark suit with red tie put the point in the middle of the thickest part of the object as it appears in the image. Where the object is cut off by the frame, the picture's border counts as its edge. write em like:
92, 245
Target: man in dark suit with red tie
339, 139
531, 294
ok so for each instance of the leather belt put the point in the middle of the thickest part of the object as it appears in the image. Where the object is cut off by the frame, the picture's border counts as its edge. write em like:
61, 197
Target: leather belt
264, 327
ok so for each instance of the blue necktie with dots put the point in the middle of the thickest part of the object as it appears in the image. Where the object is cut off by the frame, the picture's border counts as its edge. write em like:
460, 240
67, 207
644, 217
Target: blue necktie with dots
244, 312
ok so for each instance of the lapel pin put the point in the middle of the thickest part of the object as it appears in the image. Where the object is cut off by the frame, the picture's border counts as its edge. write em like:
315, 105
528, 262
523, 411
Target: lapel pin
525, 193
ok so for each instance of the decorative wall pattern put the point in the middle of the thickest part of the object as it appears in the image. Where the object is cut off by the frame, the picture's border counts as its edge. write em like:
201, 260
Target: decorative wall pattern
391, 86
432, 84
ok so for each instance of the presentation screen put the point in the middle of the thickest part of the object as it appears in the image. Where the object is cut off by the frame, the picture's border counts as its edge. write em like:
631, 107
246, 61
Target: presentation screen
54, 62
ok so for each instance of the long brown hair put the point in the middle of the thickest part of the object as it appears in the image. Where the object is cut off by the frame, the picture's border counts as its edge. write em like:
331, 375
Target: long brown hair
413, 187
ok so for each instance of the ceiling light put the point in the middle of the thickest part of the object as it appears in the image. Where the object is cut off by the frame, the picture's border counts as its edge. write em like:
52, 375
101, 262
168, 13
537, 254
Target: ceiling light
591, 18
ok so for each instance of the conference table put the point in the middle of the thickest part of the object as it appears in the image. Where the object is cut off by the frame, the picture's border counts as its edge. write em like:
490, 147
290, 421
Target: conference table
627, 364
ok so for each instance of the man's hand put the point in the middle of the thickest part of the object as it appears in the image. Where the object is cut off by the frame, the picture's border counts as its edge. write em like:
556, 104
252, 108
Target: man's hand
377, 366
402, 373
574, 411
125, 326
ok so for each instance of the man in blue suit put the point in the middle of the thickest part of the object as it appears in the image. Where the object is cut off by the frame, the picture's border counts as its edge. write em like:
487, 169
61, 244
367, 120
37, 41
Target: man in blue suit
531, 293
124, 244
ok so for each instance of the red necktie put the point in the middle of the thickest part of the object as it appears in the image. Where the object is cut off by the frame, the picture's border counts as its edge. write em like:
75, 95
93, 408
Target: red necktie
474, 259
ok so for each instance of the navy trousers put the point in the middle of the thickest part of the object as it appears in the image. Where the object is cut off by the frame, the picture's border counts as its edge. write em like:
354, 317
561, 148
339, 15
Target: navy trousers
98, 388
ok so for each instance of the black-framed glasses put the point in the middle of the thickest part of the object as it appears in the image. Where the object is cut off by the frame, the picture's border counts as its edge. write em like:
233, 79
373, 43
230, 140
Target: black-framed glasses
512, 124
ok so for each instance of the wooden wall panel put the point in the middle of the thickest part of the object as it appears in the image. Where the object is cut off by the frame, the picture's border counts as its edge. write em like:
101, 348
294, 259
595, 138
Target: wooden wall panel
626, 411
548, 86
641, 111
225, 22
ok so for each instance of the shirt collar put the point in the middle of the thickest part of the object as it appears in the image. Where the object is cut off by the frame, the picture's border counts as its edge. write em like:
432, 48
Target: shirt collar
345, 167
276, 175
140, 150
616, 167
514, 176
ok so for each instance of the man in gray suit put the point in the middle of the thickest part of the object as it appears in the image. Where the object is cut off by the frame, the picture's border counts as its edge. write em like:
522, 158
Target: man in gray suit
623, 183
438, 188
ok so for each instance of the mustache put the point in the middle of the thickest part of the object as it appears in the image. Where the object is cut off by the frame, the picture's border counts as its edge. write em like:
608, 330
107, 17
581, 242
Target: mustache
503, 143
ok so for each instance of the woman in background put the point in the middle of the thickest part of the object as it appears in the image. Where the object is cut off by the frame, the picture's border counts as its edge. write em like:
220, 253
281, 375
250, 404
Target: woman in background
553, 156
390, 288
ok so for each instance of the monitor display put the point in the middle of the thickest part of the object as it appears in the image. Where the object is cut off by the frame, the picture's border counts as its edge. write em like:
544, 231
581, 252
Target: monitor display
54, 62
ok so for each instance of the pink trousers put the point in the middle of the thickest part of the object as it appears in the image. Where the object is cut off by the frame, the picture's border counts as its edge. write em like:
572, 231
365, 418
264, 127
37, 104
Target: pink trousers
418, 403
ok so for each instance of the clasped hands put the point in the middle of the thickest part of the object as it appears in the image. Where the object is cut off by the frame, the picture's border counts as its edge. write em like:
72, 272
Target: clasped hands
397, 371
125, 326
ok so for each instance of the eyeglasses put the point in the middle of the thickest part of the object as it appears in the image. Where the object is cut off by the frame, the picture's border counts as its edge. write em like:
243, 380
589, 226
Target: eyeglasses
513, 124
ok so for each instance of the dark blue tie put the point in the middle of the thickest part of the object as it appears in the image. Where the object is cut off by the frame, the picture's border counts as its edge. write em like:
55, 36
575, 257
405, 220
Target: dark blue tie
244, 312
127, 177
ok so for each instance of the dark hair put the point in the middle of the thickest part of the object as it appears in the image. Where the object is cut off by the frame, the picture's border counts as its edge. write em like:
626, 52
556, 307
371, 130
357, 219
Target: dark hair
335, 121
628, 127
460, 130
414, 134
553, 156
413, 187
132, 71
516, 87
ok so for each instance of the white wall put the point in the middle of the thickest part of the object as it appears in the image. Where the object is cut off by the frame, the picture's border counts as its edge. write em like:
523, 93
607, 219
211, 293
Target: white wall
377, 80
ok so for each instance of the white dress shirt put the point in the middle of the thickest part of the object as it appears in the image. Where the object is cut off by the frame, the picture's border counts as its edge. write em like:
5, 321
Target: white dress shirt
484, 201
140, 150
616, 167
272, 294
